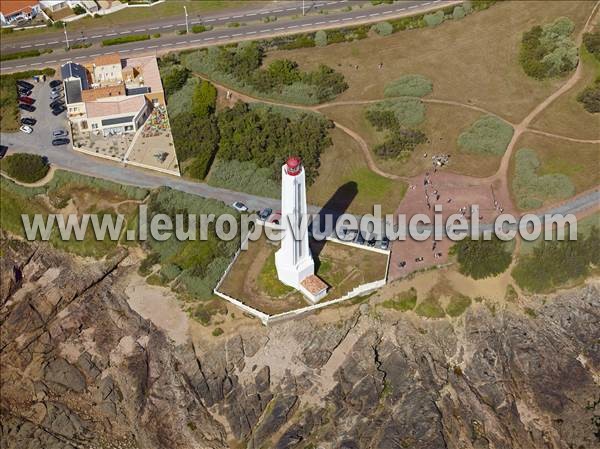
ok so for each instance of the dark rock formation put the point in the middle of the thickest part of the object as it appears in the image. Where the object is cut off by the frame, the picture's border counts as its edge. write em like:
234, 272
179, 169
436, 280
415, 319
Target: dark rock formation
81, 369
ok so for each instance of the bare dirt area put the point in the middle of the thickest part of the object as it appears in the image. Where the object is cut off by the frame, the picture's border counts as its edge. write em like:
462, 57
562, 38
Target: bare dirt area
159, 305
472, 60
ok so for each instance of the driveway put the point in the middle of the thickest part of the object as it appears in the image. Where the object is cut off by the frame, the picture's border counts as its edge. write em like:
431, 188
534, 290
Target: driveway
47, 122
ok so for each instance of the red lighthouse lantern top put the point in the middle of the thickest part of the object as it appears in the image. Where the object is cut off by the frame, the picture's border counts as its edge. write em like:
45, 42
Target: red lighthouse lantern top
293, 166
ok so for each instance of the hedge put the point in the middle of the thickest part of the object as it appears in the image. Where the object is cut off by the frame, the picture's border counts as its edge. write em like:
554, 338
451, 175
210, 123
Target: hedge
383, 28
125, 39
434, 19
321, 38
23, 54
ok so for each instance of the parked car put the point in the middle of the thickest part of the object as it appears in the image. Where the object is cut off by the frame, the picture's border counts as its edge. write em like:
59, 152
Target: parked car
59, 133
25, 84
61, 141
28, 121
359, 239
58, 110
55, 95
26, 100
3, 150
24, 92
26, 129
265, 213
56, 104
55, 83
240, 207
26, 107
372, 242
385, 243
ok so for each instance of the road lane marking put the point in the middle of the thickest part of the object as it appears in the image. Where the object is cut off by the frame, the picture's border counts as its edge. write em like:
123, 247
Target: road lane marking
167, 26
94, 55
110, 34
156, 46
251, 32
139, 31
154, 28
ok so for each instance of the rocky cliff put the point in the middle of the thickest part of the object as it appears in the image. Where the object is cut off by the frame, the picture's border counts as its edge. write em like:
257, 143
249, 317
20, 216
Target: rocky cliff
80, 369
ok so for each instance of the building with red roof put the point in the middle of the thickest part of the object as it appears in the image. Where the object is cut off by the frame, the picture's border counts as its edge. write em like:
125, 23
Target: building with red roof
14, 11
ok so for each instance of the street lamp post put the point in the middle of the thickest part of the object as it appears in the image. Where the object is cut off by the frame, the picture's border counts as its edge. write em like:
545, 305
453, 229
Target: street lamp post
66, 36
302, 7
187, 26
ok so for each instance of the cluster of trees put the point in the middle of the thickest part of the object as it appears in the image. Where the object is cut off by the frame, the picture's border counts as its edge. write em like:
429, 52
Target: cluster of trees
267, 138
25, 167
555, 263
482, 258
173, 78
590, 96
244, 64
547, 51
400, 141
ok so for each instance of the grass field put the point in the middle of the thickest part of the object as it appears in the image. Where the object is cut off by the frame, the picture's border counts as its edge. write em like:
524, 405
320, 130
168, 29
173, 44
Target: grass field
578, 161
566, 116
472, 60
443, 124
344, 170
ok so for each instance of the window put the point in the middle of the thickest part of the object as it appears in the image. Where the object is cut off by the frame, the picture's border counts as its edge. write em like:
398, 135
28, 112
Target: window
94, 125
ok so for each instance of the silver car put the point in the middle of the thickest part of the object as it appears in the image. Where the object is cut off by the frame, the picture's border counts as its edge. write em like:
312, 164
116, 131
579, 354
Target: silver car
55, 96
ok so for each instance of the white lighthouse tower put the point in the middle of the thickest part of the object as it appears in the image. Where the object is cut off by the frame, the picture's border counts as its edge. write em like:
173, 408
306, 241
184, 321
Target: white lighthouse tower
294, 262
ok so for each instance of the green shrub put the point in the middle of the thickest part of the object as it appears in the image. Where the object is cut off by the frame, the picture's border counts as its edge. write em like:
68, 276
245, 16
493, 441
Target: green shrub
482, 258
548, 51
407, 111
78, 10
146, 265
321, 38
403, 301
430, 307
434, 19
186, 129
590, 98
170, 271
383, 28
488, 135
23, 167
217, 331
245, 176
125, 39
458, 13
409, 86
200, 28
181, 100
457, 305
173, 78
400, 143
530, 189
467, 6
592, 43
19, 55
204, 99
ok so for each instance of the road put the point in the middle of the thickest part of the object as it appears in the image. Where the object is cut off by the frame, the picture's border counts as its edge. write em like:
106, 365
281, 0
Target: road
222, 35
89, 165
53, 37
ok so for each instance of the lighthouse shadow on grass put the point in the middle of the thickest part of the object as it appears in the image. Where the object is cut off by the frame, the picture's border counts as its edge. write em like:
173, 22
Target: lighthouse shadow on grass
336, 206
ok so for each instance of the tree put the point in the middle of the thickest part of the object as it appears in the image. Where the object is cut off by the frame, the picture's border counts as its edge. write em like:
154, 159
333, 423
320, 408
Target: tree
175, 79
204, 99
482, 258
590, 98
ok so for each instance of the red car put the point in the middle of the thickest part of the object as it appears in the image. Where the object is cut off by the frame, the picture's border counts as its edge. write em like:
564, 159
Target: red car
26, 100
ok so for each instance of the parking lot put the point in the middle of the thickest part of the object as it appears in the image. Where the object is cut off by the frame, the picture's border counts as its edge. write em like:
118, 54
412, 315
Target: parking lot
46, 122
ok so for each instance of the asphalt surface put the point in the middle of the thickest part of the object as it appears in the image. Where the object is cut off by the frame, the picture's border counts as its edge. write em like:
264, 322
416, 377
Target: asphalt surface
282, 8
221, 35
46, 121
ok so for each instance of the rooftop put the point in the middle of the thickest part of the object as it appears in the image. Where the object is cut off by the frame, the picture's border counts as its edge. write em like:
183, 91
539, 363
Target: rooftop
13, 6
147, 67
314, 284
113, 58
116, 106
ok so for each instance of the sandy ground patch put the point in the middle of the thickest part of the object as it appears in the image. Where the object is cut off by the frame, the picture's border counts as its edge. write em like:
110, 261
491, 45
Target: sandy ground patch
158, 305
